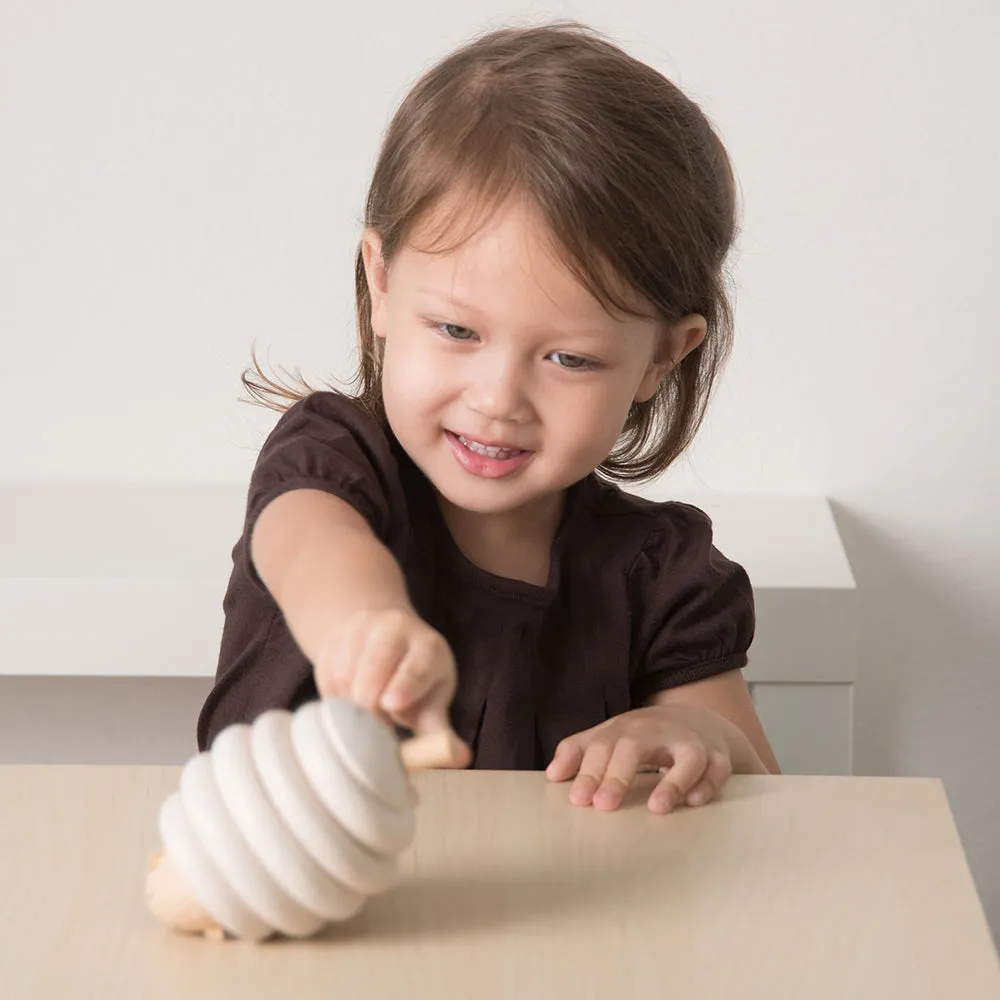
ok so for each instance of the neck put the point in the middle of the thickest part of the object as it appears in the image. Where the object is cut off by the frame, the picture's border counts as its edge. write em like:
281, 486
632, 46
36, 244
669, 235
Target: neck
515, 544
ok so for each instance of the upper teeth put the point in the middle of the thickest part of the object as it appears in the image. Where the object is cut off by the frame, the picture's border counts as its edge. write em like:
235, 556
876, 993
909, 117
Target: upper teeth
482, 449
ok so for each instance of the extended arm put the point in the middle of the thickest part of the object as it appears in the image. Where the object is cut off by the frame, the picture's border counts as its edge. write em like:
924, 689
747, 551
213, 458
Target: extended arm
321, 562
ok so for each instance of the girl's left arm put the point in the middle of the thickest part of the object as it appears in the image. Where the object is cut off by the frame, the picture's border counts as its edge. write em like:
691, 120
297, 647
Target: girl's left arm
727, 696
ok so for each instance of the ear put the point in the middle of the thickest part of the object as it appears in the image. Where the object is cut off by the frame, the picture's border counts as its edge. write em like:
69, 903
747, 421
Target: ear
378, 282
675, 344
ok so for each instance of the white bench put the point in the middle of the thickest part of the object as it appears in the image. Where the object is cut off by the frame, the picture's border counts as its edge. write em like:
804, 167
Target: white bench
110, 617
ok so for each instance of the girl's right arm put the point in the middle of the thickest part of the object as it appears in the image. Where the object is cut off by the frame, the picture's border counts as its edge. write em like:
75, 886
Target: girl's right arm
344, 599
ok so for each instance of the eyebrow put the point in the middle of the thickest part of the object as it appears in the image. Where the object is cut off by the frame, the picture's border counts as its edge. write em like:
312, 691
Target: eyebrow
443, 297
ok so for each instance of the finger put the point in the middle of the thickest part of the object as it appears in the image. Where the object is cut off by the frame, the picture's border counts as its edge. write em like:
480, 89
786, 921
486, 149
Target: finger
591, 773
430, 715
424, 668
382, 654
618, 777
567, 759
719, 770
688, 768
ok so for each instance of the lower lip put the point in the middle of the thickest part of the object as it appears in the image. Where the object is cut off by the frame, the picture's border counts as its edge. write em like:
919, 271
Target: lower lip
483, 465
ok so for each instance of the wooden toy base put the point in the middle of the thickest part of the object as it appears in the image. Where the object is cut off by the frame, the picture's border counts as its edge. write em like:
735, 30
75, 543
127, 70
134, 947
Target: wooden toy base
170, 900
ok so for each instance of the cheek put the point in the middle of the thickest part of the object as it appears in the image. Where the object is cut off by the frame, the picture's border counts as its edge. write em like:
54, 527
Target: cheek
609, 405
590, 420
410, 379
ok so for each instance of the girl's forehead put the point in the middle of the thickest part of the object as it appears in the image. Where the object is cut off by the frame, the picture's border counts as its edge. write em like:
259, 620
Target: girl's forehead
506, 257
467, 245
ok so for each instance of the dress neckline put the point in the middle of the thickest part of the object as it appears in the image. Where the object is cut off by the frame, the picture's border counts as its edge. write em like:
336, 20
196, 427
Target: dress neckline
452, 555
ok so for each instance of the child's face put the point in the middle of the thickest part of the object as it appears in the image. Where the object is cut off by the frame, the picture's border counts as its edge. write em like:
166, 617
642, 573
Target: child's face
497, 343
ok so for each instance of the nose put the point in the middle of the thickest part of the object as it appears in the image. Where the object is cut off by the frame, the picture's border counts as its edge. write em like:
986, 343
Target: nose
498, 391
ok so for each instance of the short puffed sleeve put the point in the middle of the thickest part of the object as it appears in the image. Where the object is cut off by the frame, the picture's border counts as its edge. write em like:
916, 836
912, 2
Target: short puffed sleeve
695, 607
328, 442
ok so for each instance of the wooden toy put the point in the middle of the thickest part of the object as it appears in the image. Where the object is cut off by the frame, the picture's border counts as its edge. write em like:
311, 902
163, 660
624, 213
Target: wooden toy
289, 823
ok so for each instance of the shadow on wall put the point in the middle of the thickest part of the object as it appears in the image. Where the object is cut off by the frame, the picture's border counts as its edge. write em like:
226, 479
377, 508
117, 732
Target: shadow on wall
99, 720
927, 698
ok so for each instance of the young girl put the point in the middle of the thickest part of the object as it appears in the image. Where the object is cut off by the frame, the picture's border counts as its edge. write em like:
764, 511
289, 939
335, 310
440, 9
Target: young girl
541, 311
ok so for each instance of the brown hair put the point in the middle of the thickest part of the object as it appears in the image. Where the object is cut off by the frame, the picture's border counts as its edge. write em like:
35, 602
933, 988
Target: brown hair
627, 172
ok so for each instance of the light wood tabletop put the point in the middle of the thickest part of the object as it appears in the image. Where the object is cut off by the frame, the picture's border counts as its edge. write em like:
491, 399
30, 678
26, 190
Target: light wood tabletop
787, 887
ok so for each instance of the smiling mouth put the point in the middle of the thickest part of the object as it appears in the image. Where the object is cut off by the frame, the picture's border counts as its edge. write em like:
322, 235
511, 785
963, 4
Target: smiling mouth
489, 451
487, 461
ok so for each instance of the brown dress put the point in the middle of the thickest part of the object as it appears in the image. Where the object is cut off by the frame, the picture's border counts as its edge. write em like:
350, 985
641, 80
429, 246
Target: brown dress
638, 599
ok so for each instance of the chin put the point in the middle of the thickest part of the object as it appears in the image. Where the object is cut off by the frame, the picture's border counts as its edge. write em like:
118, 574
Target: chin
488, 500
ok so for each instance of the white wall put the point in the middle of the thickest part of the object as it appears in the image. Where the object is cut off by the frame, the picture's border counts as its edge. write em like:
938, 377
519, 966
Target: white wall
177, 180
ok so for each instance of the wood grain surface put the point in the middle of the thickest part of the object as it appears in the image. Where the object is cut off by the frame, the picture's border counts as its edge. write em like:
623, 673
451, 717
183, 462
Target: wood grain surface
788, 887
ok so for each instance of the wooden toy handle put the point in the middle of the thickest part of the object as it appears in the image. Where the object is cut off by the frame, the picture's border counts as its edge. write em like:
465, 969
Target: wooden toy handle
440, 749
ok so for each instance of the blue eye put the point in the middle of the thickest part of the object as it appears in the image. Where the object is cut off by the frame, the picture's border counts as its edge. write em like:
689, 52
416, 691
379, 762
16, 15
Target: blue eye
573, 362
452, 331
